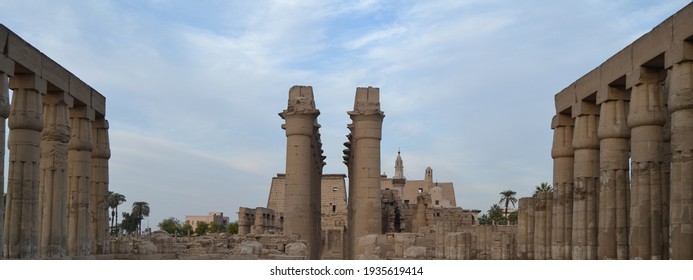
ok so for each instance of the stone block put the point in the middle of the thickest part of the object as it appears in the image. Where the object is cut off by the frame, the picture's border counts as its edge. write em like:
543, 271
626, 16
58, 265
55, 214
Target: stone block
6, 65
3, 37
679, 52
54, 74
617, 66
588, 84
585, 108
296, 249
683, 24
24, 54
565, 99
653, 43
80, 90
415, 253
98, 102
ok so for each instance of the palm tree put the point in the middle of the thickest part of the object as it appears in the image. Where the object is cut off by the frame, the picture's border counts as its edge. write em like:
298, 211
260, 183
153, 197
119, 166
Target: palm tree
140, 209
508, 197
114, 199
543, 187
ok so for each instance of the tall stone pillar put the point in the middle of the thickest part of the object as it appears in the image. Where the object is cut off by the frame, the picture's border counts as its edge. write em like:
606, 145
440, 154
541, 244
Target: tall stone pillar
53, 183
79, 174
614, 188
586, 174
6, 69
98, 202
299, 210
364, 209
540, 226
563, 162
646, 119
681, 205
22, 209
543, 203
522, 227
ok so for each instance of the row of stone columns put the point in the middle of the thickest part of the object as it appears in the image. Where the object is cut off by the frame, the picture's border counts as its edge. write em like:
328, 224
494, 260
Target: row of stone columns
304, 163
362, 158
623, 169
56, 199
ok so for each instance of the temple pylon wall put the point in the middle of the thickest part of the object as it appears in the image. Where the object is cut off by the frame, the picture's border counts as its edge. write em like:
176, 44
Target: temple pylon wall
45, 100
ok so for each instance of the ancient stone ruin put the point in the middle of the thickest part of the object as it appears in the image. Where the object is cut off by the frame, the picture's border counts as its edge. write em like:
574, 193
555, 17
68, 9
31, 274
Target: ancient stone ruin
58, 156
623, 175
622, 150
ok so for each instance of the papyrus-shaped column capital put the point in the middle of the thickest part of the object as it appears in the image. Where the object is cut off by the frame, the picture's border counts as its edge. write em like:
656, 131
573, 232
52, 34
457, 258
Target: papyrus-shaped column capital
6, 69
647, 104
102, 144
81, 134
29, 89
300, 114
366, 116
562, 126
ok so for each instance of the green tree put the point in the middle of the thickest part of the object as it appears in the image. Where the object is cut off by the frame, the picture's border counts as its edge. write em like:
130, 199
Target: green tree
214, 227
170, 225
232, 228
508, 197
543, 187
512, 217
495, 214
484, 220
140, 209
114, 199
187, 228
201, 228
129, 224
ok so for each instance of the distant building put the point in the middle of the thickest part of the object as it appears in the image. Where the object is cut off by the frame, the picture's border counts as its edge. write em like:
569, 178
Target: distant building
217, 217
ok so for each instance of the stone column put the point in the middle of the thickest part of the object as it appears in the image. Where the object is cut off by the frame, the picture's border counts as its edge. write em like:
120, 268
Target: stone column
646, 119
681, 205
531, 220
79, 174
53, 183
22, 209
98, 202
614, 187
6, 69
522, 224
540, 226
586, 174
365, 194
300, 117
563, 161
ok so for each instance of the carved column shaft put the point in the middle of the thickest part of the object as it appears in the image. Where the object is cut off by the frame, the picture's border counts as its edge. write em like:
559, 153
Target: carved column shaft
98, 203
6, 68
22, 210
365, 194
681, 207
646, 120
79, 174
614, 188
300, 117
563, 162
53, 185
585, 188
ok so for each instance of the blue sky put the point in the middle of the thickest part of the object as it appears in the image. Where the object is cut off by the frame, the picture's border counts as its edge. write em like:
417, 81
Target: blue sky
193, 88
